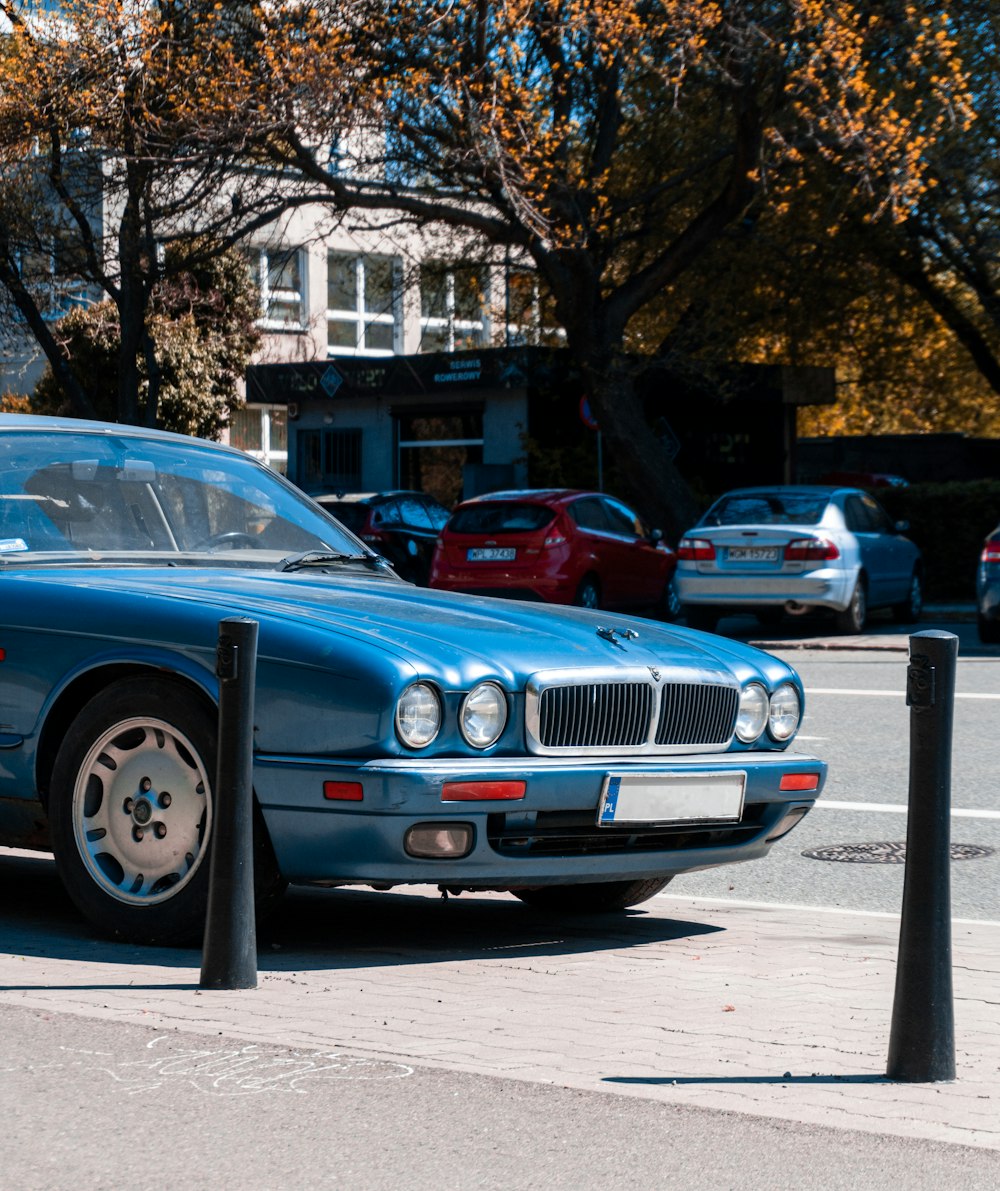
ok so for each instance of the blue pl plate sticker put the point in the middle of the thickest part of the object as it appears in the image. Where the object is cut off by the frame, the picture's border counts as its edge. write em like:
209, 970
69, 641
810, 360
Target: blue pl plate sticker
694, 797
12, 545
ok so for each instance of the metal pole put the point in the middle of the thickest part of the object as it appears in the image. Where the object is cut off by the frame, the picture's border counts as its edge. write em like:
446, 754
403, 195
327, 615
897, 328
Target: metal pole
922, 1039
229, 955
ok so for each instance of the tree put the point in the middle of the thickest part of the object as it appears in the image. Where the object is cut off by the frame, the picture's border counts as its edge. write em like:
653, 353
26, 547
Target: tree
204, 333
112, 145
612, 144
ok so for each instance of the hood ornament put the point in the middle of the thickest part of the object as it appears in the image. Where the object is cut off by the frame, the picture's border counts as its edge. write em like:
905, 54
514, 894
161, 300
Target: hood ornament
616, 636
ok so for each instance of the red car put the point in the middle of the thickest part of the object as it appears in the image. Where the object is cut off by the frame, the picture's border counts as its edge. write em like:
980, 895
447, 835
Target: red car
558, 545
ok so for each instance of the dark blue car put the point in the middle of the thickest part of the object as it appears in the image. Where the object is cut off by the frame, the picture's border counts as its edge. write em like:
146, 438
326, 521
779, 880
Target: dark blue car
576, 759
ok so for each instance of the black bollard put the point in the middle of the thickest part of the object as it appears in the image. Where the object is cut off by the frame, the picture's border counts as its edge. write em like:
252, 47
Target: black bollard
922, 1038
229, 955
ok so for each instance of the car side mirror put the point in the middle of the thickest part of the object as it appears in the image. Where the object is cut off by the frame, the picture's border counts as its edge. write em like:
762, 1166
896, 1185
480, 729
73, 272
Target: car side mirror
901, 527
656, 536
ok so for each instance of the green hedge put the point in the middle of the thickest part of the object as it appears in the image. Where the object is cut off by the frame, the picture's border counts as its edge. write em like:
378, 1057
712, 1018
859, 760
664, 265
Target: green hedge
948, 522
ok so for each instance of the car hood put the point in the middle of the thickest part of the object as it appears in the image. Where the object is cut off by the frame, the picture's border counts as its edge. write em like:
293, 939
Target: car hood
446, 631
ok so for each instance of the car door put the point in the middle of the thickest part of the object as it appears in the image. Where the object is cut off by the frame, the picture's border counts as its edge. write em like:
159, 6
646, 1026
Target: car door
882, 556
635, 567
417, 535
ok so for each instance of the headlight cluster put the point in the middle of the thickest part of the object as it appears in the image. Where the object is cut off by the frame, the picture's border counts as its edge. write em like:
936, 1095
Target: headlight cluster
779, 714
481, 718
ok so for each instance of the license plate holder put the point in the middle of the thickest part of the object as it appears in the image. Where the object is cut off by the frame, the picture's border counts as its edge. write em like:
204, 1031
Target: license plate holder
752, 554
665, 799
491, 554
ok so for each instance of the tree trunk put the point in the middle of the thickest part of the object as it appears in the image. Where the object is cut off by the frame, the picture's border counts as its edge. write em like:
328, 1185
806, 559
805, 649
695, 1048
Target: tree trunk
656, 487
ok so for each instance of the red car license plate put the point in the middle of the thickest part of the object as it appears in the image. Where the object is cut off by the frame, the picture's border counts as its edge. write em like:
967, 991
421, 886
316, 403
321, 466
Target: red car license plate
491, 554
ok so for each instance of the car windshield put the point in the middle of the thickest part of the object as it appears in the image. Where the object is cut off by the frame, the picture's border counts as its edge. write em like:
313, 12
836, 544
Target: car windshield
81, 496
500, 517
349, 513
767, 508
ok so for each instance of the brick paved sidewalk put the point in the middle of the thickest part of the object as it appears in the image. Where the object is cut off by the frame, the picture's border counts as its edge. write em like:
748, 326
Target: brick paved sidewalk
776, 1012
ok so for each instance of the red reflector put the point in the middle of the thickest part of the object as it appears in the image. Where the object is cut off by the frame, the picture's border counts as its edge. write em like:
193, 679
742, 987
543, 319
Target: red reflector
481, 791
799, 781
3, 655
343, 791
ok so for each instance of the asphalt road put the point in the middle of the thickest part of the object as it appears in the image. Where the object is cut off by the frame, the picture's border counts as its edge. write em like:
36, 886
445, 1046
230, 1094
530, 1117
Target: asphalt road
857, 720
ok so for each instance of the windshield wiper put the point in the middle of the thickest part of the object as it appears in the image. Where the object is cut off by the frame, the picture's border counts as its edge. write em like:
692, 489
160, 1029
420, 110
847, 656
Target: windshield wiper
320, 558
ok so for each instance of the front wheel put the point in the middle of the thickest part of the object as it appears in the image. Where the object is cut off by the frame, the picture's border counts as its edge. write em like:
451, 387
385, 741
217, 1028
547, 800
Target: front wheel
601, 898
130, 808
669, 607
908, 611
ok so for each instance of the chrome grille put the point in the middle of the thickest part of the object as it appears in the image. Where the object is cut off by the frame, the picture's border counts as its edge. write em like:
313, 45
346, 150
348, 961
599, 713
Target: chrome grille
696, 713
630, 711
596, 715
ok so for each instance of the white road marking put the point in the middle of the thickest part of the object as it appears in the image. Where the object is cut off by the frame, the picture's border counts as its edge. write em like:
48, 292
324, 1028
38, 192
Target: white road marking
733, 901
901, 694
898, 808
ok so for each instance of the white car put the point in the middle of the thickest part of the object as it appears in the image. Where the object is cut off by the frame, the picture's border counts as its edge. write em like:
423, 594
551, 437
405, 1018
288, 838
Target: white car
797, 549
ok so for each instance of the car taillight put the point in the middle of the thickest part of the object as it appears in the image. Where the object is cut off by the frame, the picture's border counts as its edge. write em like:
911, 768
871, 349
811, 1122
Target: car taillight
810, 550
695, 550
991, 550
554, 539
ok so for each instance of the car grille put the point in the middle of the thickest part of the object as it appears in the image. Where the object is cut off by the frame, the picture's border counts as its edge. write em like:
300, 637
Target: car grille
631, 716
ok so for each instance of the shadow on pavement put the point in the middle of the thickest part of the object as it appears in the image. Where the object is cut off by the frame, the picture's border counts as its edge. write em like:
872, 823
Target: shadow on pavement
779, 1080
316, 929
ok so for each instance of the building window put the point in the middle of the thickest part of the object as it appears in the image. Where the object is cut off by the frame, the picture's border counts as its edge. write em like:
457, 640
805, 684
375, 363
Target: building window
362, 304
279, 274
329, 460
453, 303
435, 447
262, 431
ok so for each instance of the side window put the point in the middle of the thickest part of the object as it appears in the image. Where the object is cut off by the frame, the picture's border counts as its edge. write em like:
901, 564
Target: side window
856, 516
878, 517
388, 513
414, 513
438, 516
589, 514
622, 520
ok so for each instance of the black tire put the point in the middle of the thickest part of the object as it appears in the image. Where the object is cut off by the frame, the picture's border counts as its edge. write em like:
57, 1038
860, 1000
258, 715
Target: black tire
130, 813
989, 630
853, 618
588, 594
669, 607
599, 898
908, 611
704, 619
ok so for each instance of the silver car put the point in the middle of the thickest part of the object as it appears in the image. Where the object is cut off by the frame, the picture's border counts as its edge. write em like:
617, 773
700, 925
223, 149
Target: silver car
798, 549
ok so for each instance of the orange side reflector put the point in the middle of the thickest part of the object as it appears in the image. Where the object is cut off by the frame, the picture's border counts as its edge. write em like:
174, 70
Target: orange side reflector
799, 781
480, 791
343, 791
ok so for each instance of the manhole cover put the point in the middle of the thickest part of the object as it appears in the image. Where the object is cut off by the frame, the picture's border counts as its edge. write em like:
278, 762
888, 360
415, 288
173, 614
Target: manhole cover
888, 853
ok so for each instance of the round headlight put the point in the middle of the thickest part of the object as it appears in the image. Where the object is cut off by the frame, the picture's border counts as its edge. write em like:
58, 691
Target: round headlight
418, 715
483, 715
753, 712
785, 712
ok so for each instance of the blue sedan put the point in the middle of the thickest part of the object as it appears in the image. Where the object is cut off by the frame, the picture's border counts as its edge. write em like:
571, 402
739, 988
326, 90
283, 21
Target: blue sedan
401, 736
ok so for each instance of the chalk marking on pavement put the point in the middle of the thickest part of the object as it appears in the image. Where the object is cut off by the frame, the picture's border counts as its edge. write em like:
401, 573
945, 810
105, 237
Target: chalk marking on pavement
900, 694
898, 808
743, 905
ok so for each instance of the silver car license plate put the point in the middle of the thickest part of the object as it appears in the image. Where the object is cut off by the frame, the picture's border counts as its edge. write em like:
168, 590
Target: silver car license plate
491, 554
752, 553
679, 798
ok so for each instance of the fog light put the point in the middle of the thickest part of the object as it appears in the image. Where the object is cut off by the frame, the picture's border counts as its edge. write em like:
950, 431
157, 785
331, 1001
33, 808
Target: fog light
787, 822
439, 841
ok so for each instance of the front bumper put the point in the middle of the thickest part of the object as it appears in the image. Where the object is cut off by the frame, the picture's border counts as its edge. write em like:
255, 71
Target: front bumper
322, 842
